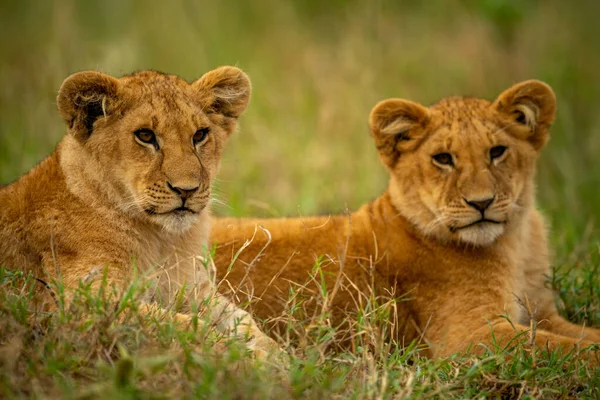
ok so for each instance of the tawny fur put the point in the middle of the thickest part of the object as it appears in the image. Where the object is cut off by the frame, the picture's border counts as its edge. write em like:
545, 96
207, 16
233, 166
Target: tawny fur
108, 199
416, 241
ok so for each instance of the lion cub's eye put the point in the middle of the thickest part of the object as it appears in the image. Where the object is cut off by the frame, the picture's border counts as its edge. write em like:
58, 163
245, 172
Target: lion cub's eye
444, 159
146, 136
497, 152
200, 135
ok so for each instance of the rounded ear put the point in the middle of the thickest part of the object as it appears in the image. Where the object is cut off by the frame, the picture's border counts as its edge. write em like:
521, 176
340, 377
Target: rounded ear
225, 90
531, 104
397, 126
83, 98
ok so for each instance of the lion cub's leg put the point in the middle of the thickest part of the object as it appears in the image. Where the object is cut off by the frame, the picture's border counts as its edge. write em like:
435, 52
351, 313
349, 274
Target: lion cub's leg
110, 279
536, 270
232, 320
227, 318
546, 314
502, 333
196, 276
559, 325
550, 320
181, 320
64, 280
541, 299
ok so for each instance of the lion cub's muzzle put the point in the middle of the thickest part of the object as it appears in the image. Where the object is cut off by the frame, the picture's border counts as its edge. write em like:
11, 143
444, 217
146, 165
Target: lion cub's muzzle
479, 221
177, 200
477, 212
193, 199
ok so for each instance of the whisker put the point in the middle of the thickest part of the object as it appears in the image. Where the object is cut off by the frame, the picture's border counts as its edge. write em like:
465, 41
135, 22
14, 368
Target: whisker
134, 202
435, 223
220, 202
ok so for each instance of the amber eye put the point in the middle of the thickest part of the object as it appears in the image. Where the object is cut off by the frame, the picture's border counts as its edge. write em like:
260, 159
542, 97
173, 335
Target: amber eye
200, 135
443, 159
146, 136
497, 151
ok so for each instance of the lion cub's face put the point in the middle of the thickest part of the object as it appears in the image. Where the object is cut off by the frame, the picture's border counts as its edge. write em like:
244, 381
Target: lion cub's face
462, 169
152, 142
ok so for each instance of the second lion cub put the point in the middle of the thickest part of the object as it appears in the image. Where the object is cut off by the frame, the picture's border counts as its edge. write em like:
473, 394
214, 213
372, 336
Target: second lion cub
456, 232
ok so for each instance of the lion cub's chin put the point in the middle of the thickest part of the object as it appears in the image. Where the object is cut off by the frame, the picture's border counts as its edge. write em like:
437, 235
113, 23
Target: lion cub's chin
482, 234
176, 222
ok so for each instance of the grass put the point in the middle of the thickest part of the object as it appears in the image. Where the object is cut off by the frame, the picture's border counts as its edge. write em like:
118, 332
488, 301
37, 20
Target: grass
303, 148
102, 347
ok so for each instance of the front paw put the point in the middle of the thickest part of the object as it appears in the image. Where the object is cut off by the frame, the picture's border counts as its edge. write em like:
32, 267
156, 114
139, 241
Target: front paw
267, 350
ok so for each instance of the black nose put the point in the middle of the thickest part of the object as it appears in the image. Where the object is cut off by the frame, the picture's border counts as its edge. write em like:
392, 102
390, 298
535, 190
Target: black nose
184, 193
480, 205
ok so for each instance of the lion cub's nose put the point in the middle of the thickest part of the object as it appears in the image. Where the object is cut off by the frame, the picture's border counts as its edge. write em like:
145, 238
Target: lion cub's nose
480, 205
184, 193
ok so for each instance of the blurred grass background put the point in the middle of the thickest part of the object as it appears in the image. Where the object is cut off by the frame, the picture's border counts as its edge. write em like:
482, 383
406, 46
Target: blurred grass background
317, 70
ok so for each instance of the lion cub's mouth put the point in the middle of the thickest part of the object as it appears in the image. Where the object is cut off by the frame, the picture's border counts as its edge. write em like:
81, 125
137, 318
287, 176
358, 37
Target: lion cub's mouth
177, 211
478, 222
183, 210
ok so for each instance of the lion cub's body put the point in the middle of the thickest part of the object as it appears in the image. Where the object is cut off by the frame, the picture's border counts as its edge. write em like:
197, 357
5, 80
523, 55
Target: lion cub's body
443, 285
456, 236
128, 191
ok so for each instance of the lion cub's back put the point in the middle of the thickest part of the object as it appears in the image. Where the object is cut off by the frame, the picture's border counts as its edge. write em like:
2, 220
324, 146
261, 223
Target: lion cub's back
277, 235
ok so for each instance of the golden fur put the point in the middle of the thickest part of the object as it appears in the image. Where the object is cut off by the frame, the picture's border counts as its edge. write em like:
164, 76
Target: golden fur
129, 185
456, 233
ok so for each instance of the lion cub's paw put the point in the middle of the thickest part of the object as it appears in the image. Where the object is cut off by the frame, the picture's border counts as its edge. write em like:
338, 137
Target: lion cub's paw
267, 350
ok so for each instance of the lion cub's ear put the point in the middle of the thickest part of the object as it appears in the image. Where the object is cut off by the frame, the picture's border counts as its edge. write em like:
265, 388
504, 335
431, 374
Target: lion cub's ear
531, 104
225, 90
83, 98
397, 126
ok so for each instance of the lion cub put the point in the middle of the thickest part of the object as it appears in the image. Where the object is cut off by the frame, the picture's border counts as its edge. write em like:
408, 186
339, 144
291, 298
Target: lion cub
130, 185
456, 234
